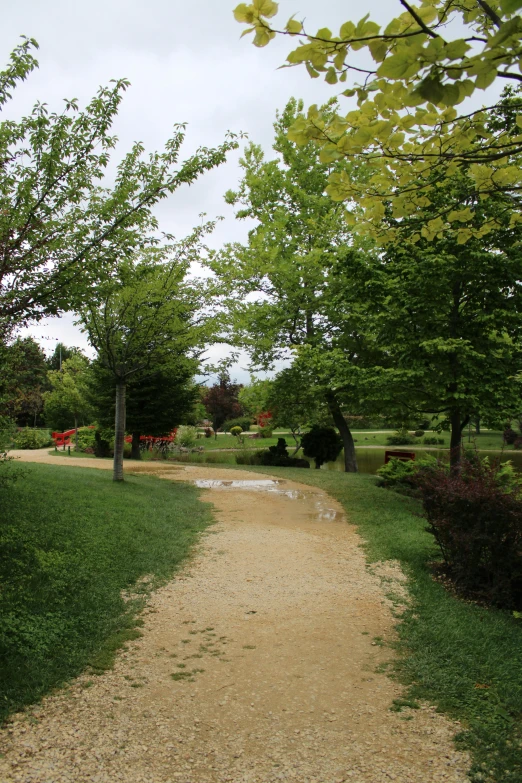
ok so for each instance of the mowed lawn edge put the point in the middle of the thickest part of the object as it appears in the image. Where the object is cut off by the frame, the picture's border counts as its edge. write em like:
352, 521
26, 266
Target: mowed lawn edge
78, 556
463, 658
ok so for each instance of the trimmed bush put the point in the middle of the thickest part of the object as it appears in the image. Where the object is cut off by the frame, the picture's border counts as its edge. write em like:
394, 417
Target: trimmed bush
236, 431
322, 444
400, 438
475, 515
432, 440
418, 433
32, 439
242, 422
265, 432
509, 436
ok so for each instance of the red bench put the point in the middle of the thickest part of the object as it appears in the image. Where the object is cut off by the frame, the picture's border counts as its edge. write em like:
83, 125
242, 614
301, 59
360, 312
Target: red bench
404, 456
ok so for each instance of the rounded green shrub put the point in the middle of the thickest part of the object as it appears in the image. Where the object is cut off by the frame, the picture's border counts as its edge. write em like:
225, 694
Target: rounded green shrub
32, 439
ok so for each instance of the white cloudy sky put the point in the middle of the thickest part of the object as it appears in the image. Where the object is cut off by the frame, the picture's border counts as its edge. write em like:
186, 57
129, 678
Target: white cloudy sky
186, 63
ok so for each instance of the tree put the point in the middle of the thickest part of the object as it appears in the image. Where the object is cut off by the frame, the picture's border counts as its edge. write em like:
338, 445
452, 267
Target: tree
60, 354
406, 100
221, 401
23, 381
141, 315
323, 444
287, 265
253, 397
295, 402
68, 399
157, 400
446, 316
60, 226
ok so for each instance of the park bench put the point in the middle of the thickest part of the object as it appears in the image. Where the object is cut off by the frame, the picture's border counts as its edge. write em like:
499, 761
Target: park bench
402, 455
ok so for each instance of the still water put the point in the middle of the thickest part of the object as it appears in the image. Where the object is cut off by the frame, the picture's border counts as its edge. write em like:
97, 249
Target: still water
369, 460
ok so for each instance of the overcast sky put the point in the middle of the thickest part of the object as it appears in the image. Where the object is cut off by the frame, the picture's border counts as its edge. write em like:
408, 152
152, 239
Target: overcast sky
186, 63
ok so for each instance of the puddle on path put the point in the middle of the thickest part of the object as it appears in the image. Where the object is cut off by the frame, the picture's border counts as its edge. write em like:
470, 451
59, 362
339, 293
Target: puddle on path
237, 483
317, 508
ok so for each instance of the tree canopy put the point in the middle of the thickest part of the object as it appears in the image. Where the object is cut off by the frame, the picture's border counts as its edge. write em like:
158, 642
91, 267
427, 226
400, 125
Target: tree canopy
424, 63
61, 226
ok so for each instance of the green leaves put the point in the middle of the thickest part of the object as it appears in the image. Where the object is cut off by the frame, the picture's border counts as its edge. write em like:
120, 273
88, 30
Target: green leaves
510, 6
404, 126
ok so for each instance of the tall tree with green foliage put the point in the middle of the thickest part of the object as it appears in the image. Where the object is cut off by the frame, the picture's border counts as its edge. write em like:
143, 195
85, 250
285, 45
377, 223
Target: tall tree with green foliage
156, 401
287, 265
447, 317
23, 381
68, 402
135, 318
61, 225
253, 397
403, 121
296, 403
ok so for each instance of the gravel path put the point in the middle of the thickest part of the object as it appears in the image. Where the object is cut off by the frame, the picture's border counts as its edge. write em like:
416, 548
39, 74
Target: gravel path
261, 662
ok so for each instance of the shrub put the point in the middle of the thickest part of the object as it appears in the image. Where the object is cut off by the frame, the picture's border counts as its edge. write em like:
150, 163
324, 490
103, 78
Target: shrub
400, 473
265, 432
236, 431
243, 422
418, 433
322, 444
475, 515
509, 436
431, 440
32, 439
517, 444
274, 456
186, 436
86, 440
103, 443
208, 432
400, 438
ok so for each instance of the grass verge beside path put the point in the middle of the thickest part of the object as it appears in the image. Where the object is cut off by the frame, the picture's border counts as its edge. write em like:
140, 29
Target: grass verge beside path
71, 541
465, 659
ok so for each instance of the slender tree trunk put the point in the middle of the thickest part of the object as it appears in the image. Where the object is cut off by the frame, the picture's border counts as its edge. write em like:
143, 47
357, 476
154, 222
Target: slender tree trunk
76, 431
317, 464
456, 438
350, 460
119, 434
136, 452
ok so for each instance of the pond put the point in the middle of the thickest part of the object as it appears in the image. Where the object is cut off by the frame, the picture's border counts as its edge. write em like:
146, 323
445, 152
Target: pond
369, 460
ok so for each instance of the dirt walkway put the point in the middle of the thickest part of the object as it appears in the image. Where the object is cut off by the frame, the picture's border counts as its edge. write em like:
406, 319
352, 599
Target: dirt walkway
261, 662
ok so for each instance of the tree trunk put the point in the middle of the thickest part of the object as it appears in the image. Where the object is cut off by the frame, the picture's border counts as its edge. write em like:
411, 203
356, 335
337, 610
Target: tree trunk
317, 464
350, 460
136, 452
455, 440
76, 431
457, 427
477, 426
119, 434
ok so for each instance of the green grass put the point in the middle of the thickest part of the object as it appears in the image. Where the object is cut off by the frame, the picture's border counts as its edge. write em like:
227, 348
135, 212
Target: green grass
488, 439
465, 659
71, 541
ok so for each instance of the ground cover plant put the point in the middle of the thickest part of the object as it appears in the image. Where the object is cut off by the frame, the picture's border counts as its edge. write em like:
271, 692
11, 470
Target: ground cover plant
71, 541
462, 657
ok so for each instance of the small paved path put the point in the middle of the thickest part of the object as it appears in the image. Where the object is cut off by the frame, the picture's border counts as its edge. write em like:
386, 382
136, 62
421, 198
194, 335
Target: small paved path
260, 662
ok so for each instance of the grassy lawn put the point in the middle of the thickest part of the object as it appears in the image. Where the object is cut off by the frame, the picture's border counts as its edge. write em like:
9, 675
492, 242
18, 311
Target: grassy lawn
71, 540
488, 439
463, 658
